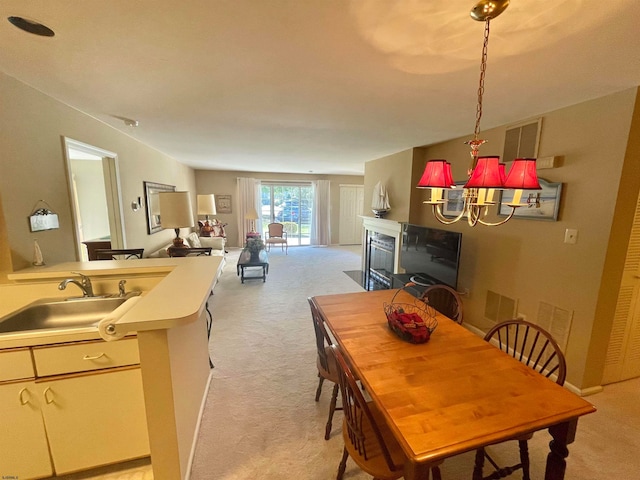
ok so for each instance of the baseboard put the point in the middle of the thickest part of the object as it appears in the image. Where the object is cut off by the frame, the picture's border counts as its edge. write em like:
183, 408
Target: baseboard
197, 429
582, 392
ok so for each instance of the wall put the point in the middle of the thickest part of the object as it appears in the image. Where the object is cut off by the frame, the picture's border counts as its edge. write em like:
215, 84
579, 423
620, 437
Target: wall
31, 129
394, 172
527, 259
225, 183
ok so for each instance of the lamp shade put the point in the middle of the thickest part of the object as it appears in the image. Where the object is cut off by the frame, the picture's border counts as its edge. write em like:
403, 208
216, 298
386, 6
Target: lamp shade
523, 175
486, 174
206, 205
251, 214
175, 210
437, 174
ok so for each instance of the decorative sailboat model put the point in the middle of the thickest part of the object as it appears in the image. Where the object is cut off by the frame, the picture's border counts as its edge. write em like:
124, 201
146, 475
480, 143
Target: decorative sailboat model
380, 201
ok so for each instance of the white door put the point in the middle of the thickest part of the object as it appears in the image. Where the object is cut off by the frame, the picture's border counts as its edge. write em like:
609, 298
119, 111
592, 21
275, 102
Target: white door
351, 207
623, 355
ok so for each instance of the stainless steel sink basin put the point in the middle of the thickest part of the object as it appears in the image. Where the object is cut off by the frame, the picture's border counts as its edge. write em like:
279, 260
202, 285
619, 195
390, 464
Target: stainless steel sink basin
60, 313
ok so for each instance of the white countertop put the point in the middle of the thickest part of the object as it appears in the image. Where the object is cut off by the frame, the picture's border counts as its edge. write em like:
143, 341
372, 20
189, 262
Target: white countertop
179, 298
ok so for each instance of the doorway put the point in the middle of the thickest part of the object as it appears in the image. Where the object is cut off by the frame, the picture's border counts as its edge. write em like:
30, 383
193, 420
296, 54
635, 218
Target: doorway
94, 193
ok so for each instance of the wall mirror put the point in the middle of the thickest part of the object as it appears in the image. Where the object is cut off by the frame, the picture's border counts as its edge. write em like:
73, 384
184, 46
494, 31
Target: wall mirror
152, 200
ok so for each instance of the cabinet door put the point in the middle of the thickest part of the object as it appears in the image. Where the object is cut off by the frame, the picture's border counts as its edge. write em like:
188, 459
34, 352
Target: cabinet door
95, 419
23, 441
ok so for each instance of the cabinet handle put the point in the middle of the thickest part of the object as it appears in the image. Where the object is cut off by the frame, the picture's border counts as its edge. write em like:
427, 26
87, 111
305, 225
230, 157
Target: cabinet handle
94, 357
46, 397
24, 399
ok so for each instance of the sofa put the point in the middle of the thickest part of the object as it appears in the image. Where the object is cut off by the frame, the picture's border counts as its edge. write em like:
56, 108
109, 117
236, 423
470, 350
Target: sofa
193, 240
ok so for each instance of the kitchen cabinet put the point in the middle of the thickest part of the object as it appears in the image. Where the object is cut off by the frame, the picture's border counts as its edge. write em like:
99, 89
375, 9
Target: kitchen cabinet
24, 451
81, 407
95, 419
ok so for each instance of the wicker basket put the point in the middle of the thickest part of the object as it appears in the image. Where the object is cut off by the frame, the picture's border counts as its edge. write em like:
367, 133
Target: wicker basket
414, 322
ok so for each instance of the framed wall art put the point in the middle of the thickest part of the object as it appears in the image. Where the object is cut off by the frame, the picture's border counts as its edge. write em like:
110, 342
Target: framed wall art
223, 203
152, 200
542, 204
454, 201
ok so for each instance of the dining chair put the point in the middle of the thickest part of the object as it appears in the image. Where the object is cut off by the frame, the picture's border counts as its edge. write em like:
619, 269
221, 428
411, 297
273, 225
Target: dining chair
444, 299
119, 254
367, 438
276, 235
326, 363
535, 347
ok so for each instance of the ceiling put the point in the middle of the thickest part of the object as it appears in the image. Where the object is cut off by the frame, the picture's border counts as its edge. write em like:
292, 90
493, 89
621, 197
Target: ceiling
318, 86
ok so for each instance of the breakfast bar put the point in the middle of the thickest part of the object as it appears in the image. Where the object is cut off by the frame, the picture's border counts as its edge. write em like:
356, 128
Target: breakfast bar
171, 338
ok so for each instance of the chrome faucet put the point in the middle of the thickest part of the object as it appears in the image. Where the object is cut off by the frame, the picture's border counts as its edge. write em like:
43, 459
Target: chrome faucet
84, 284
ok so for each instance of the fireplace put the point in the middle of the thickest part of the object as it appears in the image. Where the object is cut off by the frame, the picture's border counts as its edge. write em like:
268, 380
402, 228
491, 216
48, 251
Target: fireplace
381, 252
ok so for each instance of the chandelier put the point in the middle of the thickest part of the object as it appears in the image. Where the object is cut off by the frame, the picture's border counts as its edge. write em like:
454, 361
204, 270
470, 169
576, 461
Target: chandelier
486, 174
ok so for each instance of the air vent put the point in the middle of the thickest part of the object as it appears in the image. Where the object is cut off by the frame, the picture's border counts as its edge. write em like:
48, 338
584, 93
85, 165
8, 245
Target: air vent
522, 141
499, 308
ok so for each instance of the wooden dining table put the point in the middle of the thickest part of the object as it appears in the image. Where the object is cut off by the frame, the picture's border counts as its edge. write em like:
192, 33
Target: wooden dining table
452, 394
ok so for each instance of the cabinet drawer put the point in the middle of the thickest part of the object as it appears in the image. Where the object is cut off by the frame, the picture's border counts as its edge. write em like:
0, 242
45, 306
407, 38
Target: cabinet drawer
16, 364
86, 356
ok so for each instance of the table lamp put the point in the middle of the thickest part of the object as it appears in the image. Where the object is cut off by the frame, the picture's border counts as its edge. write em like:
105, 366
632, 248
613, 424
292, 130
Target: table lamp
206, 207
251, 215
176, 213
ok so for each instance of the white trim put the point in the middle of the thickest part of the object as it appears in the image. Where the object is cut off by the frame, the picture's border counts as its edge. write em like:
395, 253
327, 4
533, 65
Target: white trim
197, 429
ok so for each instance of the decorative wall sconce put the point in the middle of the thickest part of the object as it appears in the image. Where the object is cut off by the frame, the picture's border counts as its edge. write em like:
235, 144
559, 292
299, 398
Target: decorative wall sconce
137, 204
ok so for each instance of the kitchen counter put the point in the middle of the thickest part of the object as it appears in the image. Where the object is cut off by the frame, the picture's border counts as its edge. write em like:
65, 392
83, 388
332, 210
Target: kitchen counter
170, 324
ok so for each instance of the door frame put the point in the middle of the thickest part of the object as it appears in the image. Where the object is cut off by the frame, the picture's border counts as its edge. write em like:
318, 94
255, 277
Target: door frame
113, 191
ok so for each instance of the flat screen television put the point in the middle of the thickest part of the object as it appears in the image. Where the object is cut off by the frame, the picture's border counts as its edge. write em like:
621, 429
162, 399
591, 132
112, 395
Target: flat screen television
430, 255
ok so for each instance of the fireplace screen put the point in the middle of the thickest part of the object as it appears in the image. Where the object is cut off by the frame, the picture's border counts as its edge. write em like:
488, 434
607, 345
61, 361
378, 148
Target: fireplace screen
380, 260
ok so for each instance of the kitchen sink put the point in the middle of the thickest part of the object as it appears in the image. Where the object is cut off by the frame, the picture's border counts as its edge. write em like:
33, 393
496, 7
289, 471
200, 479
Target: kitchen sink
62, 313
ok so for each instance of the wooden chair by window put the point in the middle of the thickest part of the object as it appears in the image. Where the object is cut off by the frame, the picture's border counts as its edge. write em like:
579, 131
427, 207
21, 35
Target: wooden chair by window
533, 346
276, 235
119, 254
326, 363
445, 300
188, 252
367, 438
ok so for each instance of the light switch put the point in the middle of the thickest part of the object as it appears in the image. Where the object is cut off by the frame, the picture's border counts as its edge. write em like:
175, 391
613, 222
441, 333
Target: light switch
570, 235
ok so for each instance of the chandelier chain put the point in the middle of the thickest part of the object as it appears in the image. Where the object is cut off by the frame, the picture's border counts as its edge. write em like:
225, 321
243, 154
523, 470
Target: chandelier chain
483, 70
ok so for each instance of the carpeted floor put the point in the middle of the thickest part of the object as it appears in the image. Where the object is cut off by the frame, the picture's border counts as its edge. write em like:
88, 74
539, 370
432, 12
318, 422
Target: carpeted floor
261, 422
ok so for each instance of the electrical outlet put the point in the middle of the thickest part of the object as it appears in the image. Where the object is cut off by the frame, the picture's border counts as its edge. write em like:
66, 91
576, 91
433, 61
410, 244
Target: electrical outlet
521, 316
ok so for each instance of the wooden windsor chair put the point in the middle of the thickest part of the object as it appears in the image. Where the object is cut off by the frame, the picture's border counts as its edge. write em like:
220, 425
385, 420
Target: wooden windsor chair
533, 346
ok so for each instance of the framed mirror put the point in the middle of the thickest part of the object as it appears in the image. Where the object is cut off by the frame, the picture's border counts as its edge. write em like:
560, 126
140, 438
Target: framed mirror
152, 201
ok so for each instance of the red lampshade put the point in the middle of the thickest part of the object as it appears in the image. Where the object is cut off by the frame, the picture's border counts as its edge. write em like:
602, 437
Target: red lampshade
486, 174
503, 172
437, 174
522, 175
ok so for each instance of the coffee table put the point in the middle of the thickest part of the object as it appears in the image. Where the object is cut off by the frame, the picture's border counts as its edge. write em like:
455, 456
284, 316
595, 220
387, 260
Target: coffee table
247, 261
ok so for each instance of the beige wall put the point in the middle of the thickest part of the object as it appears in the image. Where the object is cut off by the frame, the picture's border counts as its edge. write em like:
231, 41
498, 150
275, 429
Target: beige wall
527, 259
33, 168
225, 183
394, 172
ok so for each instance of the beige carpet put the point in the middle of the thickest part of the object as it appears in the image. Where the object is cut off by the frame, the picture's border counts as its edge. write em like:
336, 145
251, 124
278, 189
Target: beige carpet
261, 422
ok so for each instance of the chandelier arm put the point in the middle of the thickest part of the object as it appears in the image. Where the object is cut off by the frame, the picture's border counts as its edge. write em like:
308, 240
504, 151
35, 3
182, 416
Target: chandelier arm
488, 224
437, 212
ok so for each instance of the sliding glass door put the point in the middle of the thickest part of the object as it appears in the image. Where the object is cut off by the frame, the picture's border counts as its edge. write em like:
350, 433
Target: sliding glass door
289, 204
